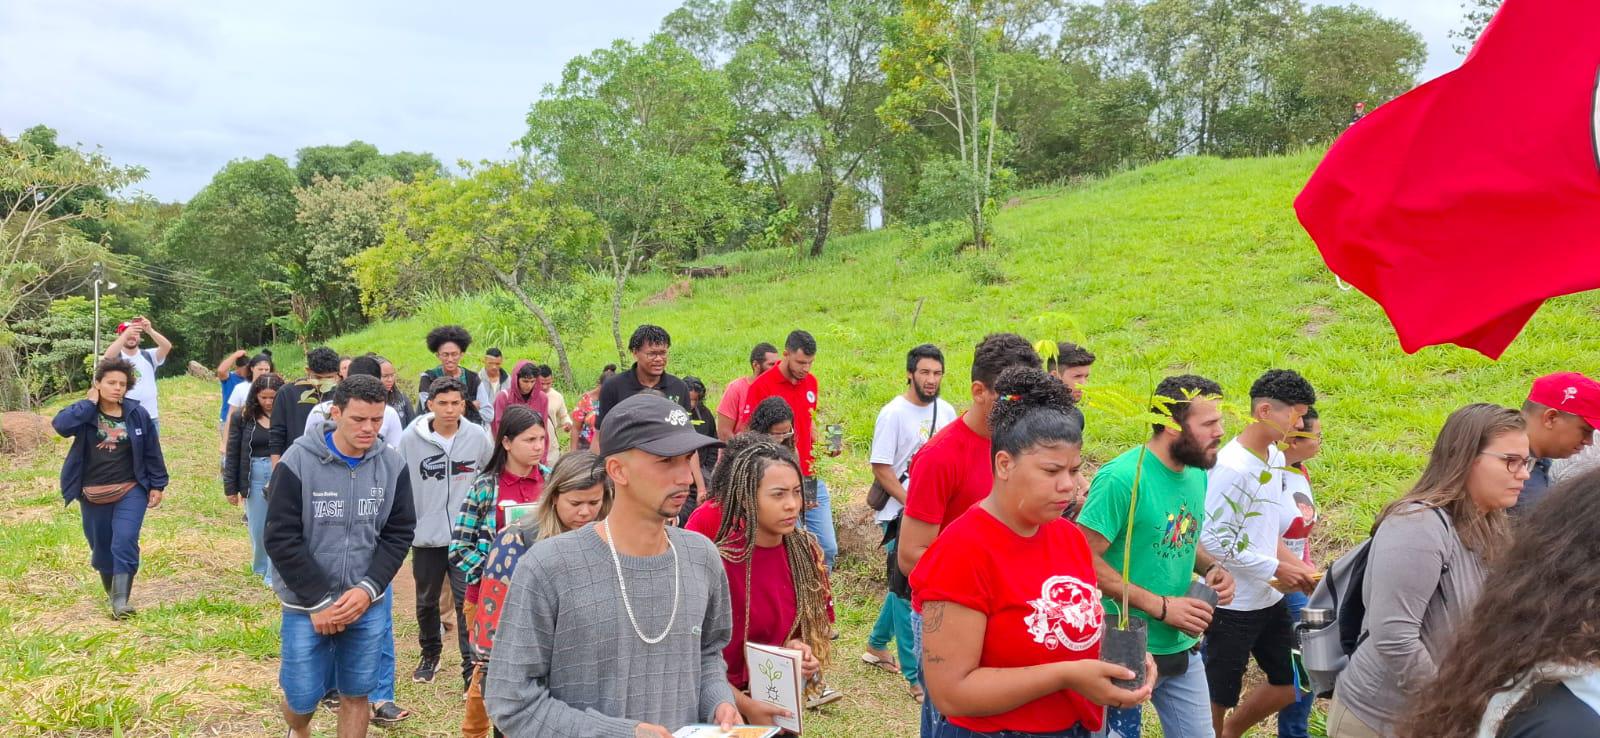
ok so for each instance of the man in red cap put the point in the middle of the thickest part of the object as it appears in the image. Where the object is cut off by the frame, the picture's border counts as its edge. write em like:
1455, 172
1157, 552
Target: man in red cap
1563, 411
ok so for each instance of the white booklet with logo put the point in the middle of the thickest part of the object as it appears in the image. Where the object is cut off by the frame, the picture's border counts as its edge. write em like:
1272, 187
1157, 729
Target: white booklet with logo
739, 731
775, 680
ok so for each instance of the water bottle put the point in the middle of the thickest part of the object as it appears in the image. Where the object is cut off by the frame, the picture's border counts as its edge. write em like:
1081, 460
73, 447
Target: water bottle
1321, 651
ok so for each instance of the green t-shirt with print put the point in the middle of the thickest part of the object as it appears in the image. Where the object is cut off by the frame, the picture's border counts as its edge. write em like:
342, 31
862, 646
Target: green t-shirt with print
1166, 532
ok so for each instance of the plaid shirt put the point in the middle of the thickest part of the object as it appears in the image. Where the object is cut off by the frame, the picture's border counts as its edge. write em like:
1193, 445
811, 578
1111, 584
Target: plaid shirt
480, 518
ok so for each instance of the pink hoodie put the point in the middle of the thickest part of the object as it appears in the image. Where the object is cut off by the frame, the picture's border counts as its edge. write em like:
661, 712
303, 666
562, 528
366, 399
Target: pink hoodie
536, 401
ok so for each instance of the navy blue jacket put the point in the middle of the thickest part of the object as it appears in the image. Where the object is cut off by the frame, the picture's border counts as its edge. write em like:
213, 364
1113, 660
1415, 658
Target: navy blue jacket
80, 421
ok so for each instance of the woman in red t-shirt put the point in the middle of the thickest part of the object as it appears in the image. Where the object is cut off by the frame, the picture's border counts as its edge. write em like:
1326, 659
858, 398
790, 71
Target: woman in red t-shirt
777, 582
1011, 614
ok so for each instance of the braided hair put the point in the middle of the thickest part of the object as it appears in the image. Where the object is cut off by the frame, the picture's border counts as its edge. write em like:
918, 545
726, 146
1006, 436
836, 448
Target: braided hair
736, 542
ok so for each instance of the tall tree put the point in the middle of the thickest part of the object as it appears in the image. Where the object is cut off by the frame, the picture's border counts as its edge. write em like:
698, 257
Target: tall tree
806, 73
42, 198
498, 224
338, 219
639, 136
359, 160
239, 235
941, 61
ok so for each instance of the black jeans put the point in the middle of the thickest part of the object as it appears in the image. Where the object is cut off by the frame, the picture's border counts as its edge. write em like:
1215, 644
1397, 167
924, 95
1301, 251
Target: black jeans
430, 567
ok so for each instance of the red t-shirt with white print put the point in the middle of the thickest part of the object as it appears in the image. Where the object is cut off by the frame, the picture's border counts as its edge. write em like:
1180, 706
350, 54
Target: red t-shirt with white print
1041, 601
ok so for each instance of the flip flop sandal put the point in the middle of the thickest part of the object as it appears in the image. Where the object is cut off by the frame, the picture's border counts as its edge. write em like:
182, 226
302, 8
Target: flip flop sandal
389, 713
888, 665
916, 693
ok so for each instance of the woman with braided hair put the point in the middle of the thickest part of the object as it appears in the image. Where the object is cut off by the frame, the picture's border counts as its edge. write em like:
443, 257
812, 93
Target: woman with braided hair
776, 577
1011, 611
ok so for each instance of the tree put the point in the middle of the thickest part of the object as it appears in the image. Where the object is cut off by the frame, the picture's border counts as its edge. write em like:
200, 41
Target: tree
338, 219
806, 76
239, 236
639, 136
1476, 14
39, 247
941, 61
498, 224
359, 160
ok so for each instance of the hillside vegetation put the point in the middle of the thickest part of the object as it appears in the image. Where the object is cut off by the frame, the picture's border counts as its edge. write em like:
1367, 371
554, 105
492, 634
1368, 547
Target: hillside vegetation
1190, 265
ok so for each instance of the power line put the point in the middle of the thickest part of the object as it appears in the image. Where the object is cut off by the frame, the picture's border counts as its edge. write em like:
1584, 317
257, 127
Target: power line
172, 278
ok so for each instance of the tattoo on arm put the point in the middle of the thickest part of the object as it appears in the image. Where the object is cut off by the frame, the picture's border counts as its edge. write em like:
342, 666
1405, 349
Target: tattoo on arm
931, 657
932, 617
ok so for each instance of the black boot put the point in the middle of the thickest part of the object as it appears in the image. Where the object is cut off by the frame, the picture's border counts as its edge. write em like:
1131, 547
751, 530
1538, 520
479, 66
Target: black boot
121, 587
105, 582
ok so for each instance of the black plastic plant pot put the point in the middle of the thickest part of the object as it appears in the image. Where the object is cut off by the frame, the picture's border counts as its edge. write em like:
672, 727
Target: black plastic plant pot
1127, 648
1199, 590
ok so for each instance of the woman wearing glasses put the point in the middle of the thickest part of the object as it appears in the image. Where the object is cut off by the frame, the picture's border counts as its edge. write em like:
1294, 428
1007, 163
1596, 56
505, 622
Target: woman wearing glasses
1425, 568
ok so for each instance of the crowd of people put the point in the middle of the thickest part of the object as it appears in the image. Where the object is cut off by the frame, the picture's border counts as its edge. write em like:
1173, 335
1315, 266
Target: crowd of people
604, 568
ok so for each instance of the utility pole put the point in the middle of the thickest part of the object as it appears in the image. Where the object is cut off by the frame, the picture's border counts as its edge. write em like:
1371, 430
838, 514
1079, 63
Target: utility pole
99, 279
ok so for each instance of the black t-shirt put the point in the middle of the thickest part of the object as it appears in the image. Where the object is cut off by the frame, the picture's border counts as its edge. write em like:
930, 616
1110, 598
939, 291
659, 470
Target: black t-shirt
259, 437
705, 422
111, 458
468, 377
1553, 711
626, 384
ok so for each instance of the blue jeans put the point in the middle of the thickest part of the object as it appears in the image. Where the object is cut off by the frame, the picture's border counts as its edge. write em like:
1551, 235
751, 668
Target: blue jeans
1182, 702
350, 658
819, 520
113, 531
1294, 720
255, 516
935, 725
894, 622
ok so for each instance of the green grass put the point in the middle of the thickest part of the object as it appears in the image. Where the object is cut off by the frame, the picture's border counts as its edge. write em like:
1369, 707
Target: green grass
1190, 265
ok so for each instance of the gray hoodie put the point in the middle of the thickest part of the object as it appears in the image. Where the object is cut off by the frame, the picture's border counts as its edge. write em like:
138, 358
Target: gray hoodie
332, 526
440, 479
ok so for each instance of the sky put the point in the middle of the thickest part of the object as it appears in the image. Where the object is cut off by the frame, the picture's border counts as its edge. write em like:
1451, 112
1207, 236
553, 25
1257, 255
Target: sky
181, 87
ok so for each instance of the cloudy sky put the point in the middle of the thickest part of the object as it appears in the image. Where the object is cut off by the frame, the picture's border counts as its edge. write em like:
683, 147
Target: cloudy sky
181, 86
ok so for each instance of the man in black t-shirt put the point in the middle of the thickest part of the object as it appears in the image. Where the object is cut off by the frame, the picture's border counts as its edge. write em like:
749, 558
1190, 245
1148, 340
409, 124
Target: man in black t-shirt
650, 345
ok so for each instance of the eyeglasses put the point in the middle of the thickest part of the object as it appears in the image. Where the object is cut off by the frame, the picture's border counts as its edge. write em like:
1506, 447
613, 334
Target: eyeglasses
1514, 462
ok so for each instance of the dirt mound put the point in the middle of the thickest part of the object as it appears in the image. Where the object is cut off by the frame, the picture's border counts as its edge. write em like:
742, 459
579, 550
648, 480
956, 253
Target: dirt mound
678, 289
22, 432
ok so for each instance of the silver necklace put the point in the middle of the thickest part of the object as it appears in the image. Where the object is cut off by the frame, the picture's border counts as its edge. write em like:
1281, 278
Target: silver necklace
623, 585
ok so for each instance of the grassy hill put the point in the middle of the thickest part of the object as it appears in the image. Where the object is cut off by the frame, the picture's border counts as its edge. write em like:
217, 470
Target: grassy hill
1190, 265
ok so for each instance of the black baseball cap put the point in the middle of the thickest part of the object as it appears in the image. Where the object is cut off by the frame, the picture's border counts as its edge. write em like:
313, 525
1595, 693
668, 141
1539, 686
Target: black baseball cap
653, 424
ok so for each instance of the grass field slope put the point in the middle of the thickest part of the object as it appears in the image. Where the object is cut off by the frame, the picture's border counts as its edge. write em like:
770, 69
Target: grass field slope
1193, 265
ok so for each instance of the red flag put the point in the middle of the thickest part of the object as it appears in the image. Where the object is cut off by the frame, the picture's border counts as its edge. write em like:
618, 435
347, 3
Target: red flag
1464, 204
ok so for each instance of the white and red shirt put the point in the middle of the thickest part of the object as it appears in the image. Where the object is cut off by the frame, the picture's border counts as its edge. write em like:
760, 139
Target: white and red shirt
1041, 601
1298, 489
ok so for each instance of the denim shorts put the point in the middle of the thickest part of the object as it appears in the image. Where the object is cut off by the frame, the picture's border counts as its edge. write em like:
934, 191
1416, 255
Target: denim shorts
350, 657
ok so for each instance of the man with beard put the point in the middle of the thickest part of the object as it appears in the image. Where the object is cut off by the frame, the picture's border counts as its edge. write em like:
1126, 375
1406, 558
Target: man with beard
643, 604
1164, 550
907, 422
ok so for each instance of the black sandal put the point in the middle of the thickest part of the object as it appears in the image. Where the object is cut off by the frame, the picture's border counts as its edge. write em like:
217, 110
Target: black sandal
389, 713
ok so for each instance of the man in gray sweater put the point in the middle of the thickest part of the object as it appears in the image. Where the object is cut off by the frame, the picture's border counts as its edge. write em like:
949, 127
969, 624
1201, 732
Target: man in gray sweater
617, 628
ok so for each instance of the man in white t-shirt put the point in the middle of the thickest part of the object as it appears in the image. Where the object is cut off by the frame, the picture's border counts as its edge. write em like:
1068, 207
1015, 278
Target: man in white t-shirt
558, 422
1248, 510
907, 422
144, 361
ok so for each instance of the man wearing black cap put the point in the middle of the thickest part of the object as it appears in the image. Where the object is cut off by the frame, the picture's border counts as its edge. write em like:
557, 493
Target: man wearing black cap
617, 628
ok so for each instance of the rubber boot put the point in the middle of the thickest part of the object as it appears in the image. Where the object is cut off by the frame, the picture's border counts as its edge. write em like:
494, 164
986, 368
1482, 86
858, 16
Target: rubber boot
105, 582
121, 588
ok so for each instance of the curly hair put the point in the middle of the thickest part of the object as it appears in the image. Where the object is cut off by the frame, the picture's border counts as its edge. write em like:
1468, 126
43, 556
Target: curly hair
1033, 408
998, 352
1285, 386
115, 364
322, 360
444, 334
736, 541
646, 335
1544, 607
770, 412
1175, 394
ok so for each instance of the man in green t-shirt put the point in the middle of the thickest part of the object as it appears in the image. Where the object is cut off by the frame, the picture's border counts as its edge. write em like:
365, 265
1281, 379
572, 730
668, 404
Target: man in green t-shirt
1164, 552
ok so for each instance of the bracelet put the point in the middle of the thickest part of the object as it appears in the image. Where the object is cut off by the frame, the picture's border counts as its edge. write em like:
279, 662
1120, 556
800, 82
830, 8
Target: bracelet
1163, 615
1213, 565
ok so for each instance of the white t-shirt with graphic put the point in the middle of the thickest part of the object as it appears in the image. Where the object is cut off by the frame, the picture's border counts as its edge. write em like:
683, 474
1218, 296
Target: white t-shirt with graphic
144, 374
901, 429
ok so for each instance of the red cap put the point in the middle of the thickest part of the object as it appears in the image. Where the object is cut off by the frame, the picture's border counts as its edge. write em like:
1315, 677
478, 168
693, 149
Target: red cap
1569, 392
122, 327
